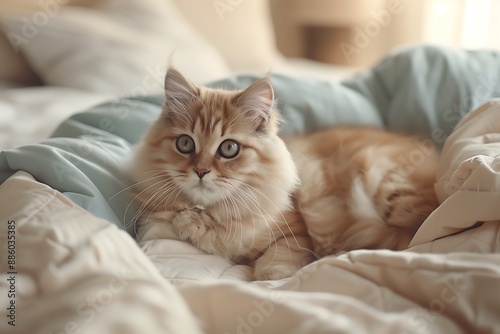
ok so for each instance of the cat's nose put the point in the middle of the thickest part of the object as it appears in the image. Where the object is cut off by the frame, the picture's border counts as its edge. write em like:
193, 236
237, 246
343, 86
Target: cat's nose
201, 172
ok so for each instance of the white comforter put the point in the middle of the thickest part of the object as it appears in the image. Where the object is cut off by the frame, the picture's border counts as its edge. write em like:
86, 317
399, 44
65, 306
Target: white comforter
74, 271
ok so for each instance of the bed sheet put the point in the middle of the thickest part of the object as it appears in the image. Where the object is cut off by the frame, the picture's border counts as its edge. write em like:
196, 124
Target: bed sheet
80, 271
68, 262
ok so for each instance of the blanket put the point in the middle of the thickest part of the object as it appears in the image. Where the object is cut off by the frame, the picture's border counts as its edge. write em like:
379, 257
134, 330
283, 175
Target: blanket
74, 269
418, 90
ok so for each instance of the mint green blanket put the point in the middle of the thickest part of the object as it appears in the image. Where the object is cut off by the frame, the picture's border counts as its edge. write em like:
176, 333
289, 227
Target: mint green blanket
423, 89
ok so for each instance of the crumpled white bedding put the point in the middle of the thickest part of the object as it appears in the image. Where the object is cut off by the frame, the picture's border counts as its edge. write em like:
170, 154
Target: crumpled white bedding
76, 273
74, 269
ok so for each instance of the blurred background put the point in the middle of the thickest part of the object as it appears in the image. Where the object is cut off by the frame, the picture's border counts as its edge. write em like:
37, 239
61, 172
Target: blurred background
256, 35
318, 29
58, 57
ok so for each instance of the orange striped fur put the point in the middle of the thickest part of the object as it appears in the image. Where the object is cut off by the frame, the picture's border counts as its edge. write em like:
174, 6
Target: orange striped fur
276, 206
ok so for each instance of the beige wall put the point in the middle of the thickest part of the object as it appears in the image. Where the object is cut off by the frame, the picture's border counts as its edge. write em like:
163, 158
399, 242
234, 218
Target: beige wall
325, 32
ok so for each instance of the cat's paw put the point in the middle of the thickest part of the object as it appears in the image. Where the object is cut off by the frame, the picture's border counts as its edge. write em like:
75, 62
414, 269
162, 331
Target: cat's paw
189, 225
275, 272
182, 217
403, 202
193, 224
408, 208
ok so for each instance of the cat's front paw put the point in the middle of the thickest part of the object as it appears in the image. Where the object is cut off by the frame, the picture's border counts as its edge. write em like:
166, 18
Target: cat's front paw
275, 272
182, 218
187, 225
192, 224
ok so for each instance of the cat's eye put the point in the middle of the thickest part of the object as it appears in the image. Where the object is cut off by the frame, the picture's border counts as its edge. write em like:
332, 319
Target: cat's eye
229, 149
185, 144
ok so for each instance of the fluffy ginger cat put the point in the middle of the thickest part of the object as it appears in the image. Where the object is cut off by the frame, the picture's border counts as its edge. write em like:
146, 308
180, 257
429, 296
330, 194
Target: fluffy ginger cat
212, 171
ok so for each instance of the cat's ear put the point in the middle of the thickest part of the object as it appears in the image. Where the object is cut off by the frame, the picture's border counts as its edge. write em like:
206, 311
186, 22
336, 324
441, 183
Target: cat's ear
179, 91
257, 102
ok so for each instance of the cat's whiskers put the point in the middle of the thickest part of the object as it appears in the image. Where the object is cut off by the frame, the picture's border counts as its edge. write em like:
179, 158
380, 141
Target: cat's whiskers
146, 205
154, 171
268, 218
181, 187
132, 186
327, 209
172, 188
233, 199
239, 192
254, 200
154, 199
227, 205
139, 211
155, 195
232, 204
141, 192
284, 220
253, 189
160, 196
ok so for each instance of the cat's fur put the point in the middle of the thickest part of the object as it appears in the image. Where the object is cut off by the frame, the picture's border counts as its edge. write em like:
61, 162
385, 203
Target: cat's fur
359, 187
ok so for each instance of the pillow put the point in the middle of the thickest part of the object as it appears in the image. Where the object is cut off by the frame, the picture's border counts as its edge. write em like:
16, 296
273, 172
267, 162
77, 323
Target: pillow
241, 30
119, 47
14, 69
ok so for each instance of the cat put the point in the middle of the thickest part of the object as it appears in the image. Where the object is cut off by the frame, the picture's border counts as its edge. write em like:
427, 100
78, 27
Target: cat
212, 171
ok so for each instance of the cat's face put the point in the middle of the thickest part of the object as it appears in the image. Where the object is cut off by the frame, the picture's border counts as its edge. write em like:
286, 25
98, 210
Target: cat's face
214, 146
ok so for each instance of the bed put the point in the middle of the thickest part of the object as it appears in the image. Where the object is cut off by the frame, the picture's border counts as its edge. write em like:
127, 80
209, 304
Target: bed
69, 261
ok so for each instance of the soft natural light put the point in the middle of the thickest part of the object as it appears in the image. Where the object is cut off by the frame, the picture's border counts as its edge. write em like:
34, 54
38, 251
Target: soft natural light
441, 19
476, 23
462, 23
